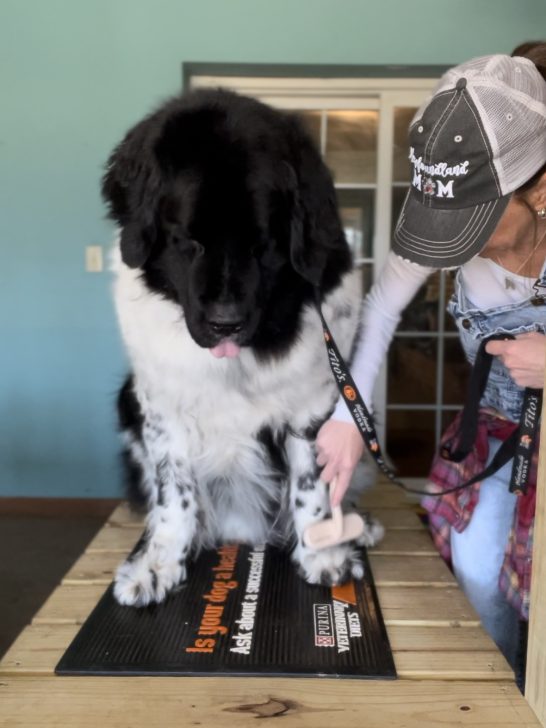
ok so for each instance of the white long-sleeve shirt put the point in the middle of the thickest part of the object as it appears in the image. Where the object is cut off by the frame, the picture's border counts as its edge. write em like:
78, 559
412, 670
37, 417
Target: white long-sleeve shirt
484, 283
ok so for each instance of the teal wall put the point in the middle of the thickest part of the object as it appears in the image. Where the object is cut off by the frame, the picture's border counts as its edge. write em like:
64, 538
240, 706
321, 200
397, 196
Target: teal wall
74, 74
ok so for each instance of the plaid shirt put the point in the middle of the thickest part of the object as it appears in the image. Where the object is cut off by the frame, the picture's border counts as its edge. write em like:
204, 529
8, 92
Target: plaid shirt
454, 510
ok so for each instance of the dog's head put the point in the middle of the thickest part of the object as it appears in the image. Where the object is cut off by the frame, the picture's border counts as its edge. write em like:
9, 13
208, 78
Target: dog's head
227, 208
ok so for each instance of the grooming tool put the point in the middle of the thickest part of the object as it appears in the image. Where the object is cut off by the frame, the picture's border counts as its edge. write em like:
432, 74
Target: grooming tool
334, 530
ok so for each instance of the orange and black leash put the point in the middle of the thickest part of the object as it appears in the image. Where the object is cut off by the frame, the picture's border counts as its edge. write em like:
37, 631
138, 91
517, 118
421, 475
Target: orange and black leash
519, 445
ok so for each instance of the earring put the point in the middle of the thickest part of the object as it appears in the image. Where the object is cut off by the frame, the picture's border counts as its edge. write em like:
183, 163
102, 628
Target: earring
542, 213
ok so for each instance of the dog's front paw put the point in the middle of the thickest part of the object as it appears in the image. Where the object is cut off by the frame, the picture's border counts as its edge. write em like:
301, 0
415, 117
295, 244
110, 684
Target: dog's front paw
330, 566
373, 531
143, 580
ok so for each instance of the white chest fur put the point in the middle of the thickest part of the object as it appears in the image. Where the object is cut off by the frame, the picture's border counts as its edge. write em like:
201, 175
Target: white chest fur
213, 408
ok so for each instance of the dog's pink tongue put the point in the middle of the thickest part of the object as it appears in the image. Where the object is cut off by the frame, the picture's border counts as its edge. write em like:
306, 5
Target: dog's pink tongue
225, 348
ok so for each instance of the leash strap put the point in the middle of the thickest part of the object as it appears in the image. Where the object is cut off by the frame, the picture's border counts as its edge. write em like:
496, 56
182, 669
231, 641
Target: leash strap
349, 391
468, 429
526, 442
519, 445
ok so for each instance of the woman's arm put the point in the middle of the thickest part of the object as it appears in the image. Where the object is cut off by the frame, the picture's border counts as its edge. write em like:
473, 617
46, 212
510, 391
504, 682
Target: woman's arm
339, 444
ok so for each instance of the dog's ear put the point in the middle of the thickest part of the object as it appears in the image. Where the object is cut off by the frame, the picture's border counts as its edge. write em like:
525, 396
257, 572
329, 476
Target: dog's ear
318, 247
132, 188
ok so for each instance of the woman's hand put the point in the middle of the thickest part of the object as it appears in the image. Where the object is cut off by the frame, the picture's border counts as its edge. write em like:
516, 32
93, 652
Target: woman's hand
524, 357
339, 447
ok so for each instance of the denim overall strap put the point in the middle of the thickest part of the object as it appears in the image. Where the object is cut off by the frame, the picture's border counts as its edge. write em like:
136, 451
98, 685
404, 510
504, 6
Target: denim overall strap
474, 324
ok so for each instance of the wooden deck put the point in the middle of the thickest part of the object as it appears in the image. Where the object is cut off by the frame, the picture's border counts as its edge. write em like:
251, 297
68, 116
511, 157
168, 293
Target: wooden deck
451, 673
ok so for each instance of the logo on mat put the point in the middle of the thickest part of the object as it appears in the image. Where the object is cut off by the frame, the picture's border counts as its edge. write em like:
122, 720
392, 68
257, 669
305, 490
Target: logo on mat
525, 441
324, 625
349, 393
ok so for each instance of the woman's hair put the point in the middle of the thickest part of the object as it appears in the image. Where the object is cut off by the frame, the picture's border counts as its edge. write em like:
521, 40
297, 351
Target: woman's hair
535, 51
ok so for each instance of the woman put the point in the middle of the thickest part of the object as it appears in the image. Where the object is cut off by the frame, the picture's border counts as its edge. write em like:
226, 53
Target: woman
477, 202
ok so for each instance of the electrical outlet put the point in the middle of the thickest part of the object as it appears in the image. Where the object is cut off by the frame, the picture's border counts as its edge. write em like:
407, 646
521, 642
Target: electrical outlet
93, 259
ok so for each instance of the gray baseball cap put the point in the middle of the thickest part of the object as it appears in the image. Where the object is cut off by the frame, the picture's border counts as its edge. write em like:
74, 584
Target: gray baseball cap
479, 138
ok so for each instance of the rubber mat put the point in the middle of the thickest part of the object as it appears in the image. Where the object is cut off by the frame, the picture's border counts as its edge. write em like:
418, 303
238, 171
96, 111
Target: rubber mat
243, 611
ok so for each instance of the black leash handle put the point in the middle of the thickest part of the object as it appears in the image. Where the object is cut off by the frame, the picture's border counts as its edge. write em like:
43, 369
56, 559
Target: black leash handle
468, 429
521, 446
517, 442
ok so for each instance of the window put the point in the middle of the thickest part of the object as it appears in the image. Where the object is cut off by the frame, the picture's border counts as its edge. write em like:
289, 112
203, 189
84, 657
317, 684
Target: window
359, 119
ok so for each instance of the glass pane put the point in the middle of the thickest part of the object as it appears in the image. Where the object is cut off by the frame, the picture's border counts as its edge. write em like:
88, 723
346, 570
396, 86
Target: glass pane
367, 277
311, 121
356, 208
456, 371
410, 441
401, 167
447, 418
412, 366
398, 197
422, 313
351, 146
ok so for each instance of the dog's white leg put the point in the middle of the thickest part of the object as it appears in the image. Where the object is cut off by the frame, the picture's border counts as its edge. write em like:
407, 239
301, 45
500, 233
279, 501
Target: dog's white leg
309, 501
159, 563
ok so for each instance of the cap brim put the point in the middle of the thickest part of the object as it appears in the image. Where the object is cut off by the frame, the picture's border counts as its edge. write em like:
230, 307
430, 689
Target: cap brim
442, 238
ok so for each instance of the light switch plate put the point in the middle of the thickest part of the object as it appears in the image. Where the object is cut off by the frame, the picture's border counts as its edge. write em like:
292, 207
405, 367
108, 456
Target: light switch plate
93, 259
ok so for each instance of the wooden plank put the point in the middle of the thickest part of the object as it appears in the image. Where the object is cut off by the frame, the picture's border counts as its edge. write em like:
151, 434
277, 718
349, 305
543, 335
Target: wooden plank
387, 570
385, 495
399, 518
409, 543
395, 518
120, 539
396, 570
409, 638
402, 516
413, 605
69, 604
40, 646
114, 538
94, 568
48, 702
453, 666
422, 606
536, 652
38, 649
410, 571
98, 567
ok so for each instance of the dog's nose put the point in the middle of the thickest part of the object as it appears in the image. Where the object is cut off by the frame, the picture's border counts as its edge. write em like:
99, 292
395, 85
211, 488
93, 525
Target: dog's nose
225, 319
226, 329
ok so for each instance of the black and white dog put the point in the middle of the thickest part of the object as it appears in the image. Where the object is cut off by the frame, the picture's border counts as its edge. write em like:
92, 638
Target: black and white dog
227, 220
